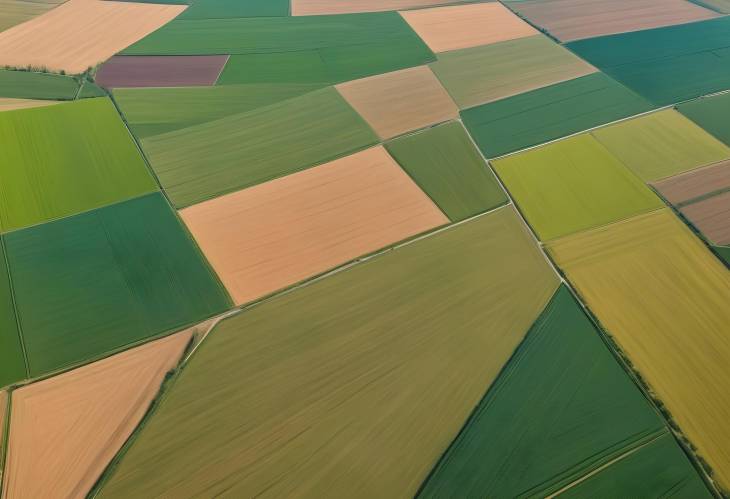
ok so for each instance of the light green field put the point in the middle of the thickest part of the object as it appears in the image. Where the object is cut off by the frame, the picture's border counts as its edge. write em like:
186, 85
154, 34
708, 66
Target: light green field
64, 159
573, 185
210, 159
352, 386
661, 144
446, 165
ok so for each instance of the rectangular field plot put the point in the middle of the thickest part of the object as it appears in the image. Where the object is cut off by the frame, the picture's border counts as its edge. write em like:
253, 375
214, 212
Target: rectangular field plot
161, 71
328, 7
711, 113
550, 112
352, 386
575, 19
241, 150
573, 185
95, 282
64, 159
153, 111
81, 33
463, 26
663, 297
483, 74
219, 9
398, 102
29, 85
88, 414
711, 216
446, 165
12, 359
560, 410
665, 65
662, 144
276, 234
695, 184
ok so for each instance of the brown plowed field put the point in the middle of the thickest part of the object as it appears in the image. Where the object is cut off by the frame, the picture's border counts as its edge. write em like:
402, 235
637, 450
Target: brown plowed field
66, 429
81, 33
695, 183
320, 7
161, 71
712, 217
463, 26
276, 234
398, 102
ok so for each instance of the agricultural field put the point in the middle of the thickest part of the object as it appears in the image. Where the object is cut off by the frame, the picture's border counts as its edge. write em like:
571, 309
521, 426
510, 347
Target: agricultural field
364, 248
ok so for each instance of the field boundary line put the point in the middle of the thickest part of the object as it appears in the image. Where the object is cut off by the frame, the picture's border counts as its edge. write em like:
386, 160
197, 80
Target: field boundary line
13, 299
223, 67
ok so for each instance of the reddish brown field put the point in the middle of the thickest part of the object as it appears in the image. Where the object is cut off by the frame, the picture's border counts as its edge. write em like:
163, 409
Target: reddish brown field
398, 102
276, 234
712, 217
66, 429
575, 19
320, 7
463, 26
161, 71
695, 183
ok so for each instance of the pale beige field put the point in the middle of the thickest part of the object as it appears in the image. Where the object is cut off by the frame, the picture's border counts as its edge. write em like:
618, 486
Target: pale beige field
664, 297
321, 7
14, 12
695, 183
464, 26
81, 33
7, 104
275, 234
401, 101
66, 429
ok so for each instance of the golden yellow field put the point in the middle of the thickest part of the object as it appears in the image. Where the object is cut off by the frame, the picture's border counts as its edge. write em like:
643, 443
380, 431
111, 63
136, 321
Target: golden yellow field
666, 300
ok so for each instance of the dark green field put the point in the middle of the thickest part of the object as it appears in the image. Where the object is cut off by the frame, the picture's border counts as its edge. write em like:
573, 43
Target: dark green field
711, 113
12, 365
28, 85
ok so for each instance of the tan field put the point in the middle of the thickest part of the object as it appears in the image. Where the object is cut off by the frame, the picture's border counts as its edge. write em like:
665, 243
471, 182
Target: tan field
712, 217
575, 19
401, 101
275, 234
320, 7
664, 297
11, 104
695, 183
464, 26
81, 33
66, 429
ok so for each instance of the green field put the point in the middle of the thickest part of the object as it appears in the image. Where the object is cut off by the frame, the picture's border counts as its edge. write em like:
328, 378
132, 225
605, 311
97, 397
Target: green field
661, 144
724, 252
89, 90
28, 85
722, 6
446, 165
218, 9
477, 75
12, 364
572, 185
91, 283
711, 113
550, 113
561, 408
658, 470
64, 159
152, 111
352, 386
665, 65
207, 160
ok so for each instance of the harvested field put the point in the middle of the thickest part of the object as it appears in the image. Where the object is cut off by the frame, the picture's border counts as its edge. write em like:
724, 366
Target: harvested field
219, 9
14, 12
464, 26
446, 165
712, 217
65, 159
278, 233
711, 114
29, 85
573, 185
550, 113
665, 65
327, 7
483, 74
562, 408
662, 144
398, 102
349, 386
66, 429
651, 274
694, 184
13, 104
207, 160
153, 111
92, 283
81, 33
161, 71
575, 19
12, 359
